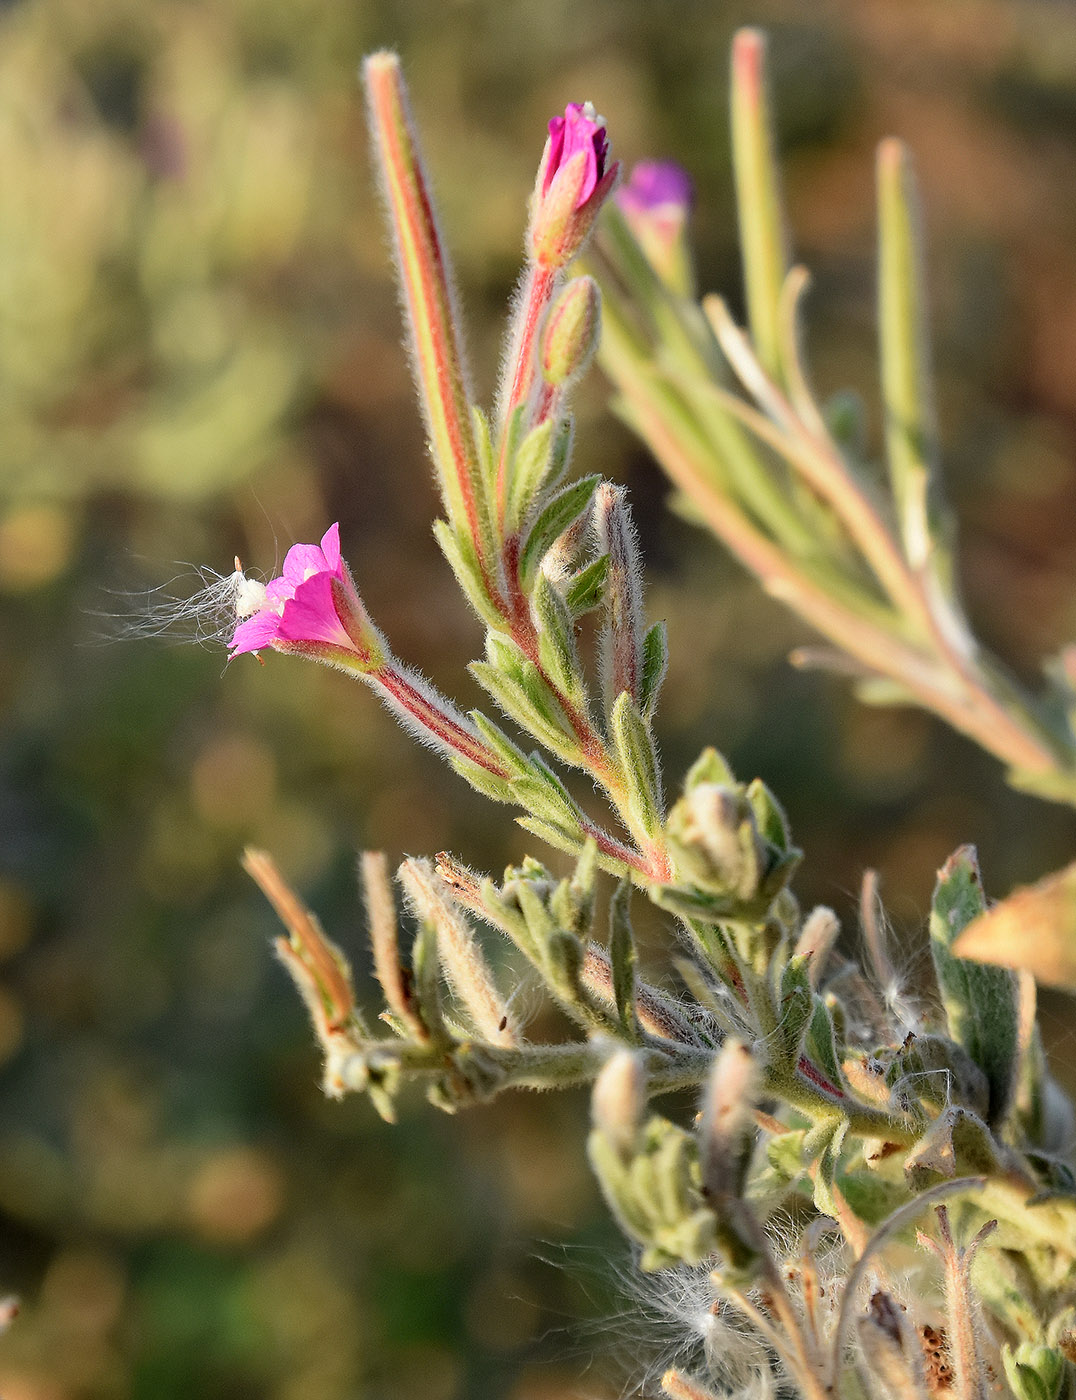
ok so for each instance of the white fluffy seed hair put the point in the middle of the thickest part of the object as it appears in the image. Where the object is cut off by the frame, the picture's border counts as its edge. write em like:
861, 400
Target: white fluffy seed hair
673, 1318
207, 616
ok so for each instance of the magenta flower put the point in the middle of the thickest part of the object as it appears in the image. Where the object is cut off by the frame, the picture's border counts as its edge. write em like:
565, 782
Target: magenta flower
580, 129
574, 178
313, 607
656, 185
656, 202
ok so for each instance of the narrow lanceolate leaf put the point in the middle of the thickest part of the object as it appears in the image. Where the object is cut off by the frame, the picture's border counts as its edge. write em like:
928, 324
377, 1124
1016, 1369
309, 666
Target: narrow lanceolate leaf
522, 692
527, 466
528, 701
622, 631
426, 971
823, 1146
981, 1002
909, 414
514, 760
458, 549
561, 511
544, 795
635, 750
556, 641
483, 781
796, 1006
586, 588
487, 458
758, 199
1033, 930
536, 464
622, 958
655, 662
432, 317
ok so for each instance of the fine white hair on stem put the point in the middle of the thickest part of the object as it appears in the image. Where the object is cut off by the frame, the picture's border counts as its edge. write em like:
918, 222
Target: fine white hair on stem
207, 616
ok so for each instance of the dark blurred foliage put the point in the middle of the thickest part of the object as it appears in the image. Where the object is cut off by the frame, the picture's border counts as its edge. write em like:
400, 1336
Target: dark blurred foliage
200, 355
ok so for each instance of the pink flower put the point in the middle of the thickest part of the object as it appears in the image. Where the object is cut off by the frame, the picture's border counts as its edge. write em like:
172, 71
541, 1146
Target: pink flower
580, 129
656, 202
574, 178
656, 185
314, 608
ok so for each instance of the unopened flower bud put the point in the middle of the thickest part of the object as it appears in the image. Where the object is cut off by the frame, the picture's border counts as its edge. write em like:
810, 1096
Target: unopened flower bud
1033, 1371
573, 181
656, 202
725, 1127
572, 331
717, 823
619, 1100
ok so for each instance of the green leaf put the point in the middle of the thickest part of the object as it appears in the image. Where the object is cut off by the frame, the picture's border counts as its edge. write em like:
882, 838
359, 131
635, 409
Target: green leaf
543, 793
562, 838
622, 957
820, 1044
709, 767
980, 1002
758, 198
527, 699
500, 743
796, 1006
426, 969
1034, 1372
586, 588
635, 751
655, 662
535, 464
909, 425
769, 816
458, 549
483, 780
486, 459
561, 511
556, 641
823, 1145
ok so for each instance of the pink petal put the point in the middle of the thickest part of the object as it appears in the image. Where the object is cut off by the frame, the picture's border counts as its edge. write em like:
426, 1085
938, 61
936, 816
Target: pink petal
330, 547
301, 561
310, 616
255, 633
277, 591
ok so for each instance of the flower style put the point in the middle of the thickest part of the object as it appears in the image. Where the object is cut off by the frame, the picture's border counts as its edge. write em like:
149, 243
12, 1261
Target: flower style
573, 181
313, 607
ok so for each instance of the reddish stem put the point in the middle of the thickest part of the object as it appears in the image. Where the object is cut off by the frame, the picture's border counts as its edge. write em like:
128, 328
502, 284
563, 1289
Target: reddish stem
440, 724
536, 298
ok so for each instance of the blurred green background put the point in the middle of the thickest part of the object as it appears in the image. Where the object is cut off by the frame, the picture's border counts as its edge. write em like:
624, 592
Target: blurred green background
200, 356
